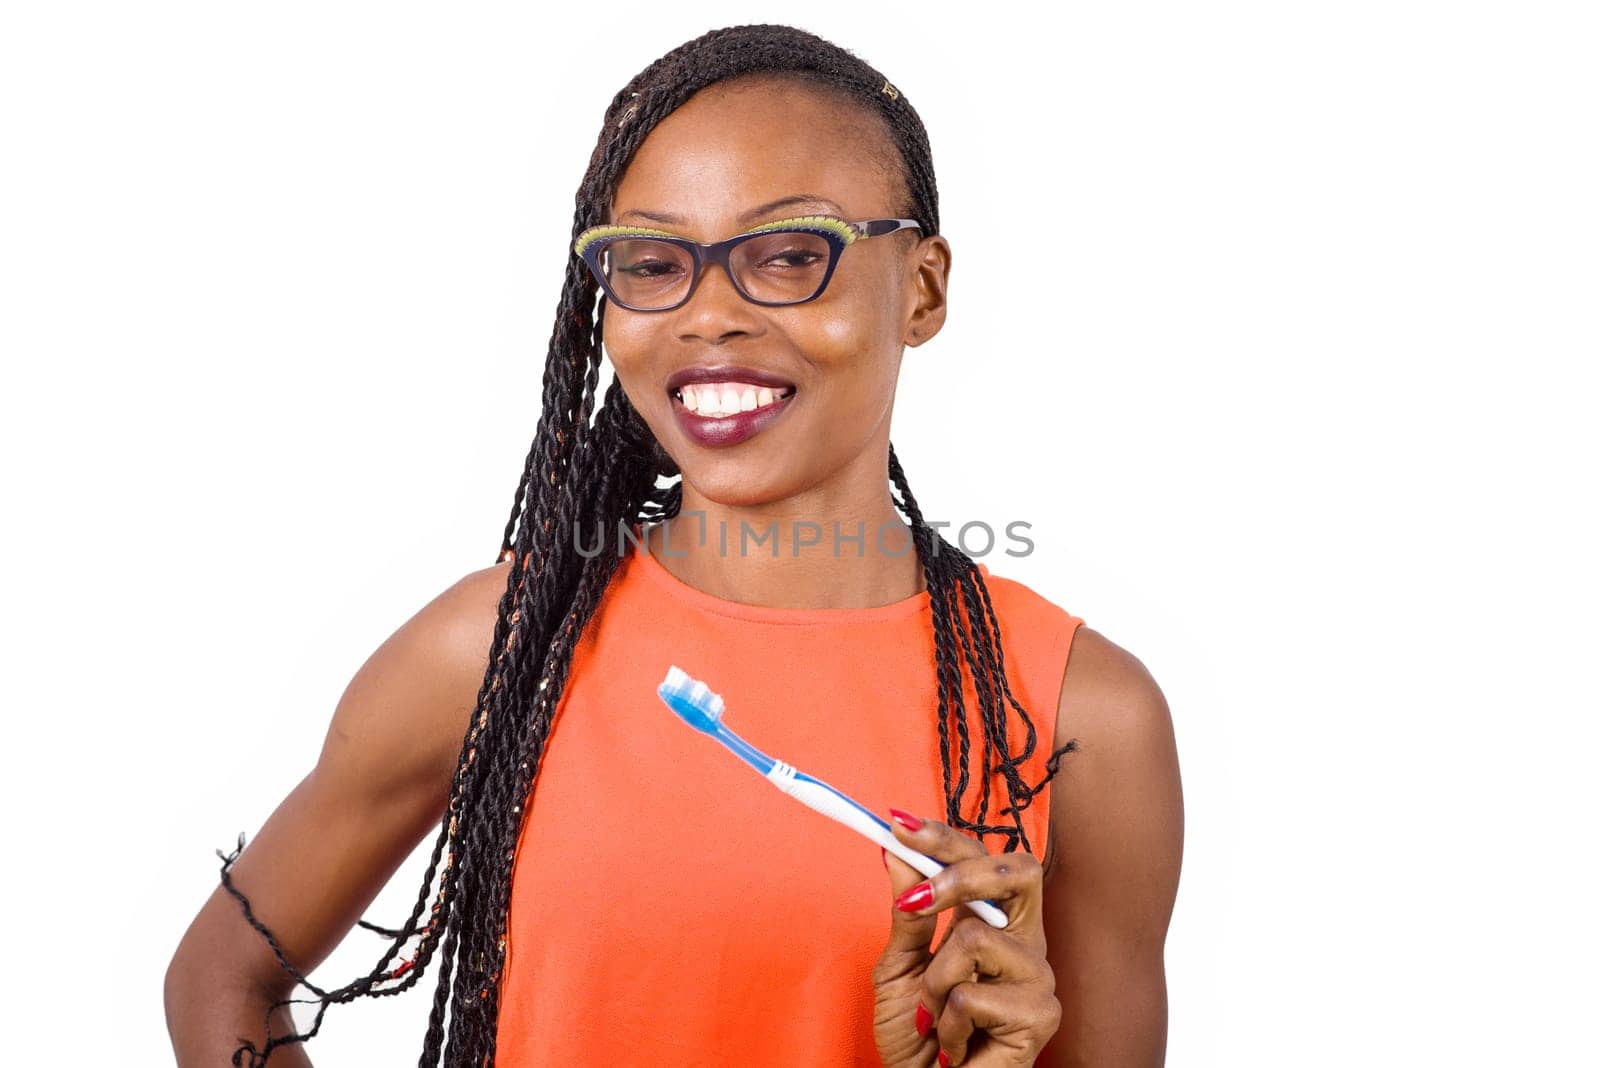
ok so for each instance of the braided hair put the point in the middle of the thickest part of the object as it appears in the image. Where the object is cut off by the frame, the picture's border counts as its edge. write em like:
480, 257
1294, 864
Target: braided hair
588, 476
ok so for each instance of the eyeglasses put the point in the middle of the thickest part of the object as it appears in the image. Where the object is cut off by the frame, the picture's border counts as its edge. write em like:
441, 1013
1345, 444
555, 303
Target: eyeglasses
777, 263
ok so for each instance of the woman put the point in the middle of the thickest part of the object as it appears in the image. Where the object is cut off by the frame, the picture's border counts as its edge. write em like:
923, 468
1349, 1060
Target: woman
615, 889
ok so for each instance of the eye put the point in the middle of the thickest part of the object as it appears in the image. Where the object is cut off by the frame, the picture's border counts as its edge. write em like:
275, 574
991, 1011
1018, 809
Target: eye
794, 257
649, 268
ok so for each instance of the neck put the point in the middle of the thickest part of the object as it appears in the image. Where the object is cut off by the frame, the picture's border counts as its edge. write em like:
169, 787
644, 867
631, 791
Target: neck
791, 553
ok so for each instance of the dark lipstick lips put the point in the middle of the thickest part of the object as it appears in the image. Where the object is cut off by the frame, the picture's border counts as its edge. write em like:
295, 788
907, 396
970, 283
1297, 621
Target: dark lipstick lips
731, 429
727, 429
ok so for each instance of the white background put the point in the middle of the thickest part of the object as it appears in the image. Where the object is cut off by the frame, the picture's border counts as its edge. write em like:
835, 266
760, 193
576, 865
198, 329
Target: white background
1298, 396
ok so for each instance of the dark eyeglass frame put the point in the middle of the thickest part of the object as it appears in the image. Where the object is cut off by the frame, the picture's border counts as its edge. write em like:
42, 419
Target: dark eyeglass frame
839, 233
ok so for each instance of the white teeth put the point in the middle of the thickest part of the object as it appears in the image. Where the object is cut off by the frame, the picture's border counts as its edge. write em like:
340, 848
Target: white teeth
717, 399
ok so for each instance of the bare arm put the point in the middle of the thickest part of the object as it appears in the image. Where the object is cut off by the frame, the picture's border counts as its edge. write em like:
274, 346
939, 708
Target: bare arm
1111, 877
380, 784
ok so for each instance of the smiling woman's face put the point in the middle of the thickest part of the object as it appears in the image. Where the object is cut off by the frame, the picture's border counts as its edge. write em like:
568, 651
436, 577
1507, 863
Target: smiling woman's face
732, 148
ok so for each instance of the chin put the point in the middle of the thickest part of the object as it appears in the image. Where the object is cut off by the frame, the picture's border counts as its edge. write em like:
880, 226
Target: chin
732, 487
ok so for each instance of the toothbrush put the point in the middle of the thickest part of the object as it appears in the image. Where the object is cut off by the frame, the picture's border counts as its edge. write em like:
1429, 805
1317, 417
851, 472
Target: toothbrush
701, 709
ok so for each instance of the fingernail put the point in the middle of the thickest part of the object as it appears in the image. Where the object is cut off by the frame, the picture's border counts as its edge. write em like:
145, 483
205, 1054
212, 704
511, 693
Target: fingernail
924, 1020
885, 853
944, 1059
906, 820
918, 897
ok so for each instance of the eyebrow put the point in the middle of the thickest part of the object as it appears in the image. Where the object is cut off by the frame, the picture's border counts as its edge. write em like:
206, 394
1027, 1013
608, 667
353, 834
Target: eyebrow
749, 216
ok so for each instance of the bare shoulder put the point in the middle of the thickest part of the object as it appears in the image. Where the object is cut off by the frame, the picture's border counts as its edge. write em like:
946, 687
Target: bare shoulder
469, 605
1111, 705
1108, 693
462, 617
412, 699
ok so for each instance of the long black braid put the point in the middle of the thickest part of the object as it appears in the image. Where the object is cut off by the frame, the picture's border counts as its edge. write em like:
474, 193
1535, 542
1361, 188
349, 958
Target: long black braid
588, 477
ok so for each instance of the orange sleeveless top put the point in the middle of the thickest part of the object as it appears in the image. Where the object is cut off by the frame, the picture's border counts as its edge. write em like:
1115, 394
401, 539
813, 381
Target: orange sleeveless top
670, 907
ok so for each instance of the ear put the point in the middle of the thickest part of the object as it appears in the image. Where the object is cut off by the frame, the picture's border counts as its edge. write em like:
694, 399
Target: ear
928, 269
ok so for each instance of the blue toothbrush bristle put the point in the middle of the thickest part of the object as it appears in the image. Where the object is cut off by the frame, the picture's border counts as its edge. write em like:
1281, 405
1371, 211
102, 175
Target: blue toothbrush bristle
691, 699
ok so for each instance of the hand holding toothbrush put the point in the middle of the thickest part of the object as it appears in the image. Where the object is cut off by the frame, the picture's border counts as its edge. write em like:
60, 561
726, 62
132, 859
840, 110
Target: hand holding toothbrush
925, 997
987, 996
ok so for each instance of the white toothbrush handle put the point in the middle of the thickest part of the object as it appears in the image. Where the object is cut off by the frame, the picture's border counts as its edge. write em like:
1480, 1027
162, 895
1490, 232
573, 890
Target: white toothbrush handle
847, 812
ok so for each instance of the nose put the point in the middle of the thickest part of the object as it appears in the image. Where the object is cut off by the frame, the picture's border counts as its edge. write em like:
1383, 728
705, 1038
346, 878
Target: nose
716, 306
715, 276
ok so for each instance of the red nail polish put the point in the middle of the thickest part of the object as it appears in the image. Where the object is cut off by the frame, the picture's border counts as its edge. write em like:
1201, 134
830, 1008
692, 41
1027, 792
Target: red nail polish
885, 853
924, 1020
918, 897
944, 1059
906, 820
